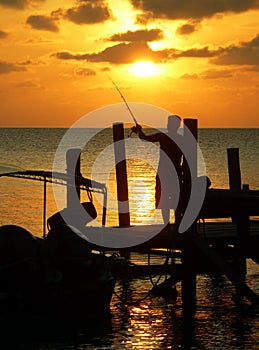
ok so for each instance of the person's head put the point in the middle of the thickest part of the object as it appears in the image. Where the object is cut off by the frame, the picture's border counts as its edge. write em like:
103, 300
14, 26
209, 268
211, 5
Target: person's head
173, 123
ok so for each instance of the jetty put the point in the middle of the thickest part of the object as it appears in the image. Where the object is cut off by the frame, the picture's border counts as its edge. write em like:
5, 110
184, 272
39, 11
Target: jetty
219, 241
222, 236
210, 246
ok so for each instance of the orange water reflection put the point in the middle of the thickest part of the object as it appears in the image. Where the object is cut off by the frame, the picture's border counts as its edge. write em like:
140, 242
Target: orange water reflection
22, 200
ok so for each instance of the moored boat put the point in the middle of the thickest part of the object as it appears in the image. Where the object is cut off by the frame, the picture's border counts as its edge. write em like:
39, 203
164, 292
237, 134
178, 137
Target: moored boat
59, 273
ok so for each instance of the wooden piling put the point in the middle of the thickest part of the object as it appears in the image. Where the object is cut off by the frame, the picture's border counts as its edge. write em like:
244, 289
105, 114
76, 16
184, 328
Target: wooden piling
192, 126
73, 170
234, 169
188, 249
241, 220
121, 175
188, 273
44, 207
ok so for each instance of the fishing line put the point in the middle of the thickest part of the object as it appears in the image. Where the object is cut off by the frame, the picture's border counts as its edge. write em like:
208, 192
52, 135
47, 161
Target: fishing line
128, 107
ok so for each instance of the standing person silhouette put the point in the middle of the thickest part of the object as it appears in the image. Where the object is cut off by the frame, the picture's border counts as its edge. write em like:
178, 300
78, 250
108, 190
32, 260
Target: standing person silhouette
169, 166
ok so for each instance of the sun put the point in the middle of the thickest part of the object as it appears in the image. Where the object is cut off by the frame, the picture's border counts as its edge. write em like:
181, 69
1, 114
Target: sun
144, 68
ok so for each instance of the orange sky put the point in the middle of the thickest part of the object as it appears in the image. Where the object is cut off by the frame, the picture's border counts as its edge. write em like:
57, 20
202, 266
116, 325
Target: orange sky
56, 55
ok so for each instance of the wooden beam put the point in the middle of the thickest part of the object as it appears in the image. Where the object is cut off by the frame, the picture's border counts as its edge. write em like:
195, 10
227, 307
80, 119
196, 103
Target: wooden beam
222, 266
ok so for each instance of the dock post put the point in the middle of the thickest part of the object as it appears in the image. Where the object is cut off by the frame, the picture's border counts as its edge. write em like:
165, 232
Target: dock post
73, 169
121, 175
234, 169
44, 207
188, 249
242, 220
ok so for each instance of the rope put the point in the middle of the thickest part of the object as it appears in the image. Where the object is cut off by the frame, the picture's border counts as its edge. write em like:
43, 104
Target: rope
161, 274
154, 284
17, 262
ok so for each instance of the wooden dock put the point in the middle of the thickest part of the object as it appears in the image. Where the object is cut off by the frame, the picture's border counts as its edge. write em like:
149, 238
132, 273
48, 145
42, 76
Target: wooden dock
205, 247
211, 247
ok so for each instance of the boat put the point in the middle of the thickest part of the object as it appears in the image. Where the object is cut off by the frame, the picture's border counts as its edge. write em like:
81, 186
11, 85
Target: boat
58, 273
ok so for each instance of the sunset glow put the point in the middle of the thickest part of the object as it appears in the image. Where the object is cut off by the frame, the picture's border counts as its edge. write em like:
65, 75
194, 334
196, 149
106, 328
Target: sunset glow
55, 57
144, 69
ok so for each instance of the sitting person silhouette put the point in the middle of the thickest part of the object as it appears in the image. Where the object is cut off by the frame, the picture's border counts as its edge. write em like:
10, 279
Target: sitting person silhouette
73, 216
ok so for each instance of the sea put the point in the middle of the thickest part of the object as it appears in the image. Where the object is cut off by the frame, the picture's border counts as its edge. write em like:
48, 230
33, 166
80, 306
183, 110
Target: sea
137, 320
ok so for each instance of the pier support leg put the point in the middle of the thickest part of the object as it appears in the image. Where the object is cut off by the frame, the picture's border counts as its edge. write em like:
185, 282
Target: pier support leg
188, 275
242, 220
188, 249
243, 232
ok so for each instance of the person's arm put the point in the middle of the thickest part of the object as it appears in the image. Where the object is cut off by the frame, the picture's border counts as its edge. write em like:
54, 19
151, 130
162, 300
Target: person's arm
151, 138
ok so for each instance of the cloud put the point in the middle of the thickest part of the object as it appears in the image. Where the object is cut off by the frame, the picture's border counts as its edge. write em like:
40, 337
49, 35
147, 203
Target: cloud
209, 74
41, 22
138, 35
246, 53
203, 52
88, 12
3, 34
7, 67
106, 69
28, 84
187, 29
189, 76
38, 40
186, 9
85, 72
122, 53
216, 74
253, 69
25, 63
19, 4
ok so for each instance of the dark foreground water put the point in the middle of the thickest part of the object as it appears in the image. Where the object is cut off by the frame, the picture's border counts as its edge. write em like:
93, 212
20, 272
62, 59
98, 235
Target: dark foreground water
137, 322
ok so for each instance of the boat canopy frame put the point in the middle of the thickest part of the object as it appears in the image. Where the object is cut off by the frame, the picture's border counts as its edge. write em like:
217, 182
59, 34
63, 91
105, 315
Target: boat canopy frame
64, 179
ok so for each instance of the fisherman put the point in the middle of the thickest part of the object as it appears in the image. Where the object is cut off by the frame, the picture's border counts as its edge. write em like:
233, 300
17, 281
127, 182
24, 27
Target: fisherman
170, 163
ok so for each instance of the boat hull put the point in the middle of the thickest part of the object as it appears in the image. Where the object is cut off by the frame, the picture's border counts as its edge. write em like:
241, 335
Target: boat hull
57, 275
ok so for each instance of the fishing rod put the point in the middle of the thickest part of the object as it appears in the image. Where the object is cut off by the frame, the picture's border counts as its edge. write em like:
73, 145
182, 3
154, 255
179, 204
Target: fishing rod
131, 113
